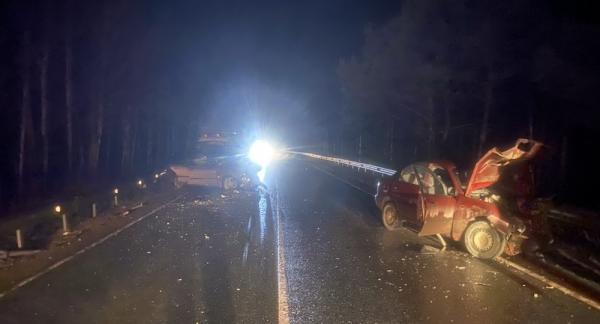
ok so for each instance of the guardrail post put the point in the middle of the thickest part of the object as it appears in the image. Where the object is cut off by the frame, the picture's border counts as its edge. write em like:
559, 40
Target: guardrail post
93, 210
19, 239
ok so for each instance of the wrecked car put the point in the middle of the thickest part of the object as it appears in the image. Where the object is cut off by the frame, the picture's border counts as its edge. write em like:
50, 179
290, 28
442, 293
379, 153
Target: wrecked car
217, 163
487, 214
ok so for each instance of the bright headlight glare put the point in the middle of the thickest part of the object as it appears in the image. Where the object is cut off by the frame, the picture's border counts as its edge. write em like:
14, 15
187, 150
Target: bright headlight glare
261, 153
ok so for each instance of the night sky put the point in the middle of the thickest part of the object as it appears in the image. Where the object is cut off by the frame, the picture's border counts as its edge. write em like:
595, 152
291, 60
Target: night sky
282, 52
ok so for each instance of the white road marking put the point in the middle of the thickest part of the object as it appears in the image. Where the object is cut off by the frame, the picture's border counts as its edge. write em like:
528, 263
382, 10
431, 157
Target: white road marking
85, 249
282, 292
567, 291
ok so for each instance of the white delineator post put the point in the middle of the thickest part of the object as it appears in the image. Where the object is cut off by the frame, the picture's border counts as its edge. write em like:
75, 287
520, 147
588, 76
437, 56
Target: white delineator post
93, 210
19, 239
116, 197
65, 224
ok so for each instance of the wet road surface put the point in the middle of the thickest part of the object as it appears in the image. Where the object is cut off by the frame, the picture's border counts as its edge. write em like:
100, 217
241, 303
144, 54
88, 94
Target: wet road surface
202, 259
209, 259
344, 267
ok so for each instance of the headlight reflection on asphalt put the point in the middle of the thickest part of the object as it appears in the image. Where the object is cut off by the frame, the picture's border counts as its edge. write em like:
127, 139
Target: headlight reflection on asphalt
262, 173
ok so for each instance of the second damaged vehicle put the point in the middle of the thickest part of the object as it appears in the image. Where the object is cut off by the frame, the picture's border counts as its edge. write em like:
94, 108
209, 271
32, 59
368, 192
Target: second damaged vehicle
217, 163
487, 214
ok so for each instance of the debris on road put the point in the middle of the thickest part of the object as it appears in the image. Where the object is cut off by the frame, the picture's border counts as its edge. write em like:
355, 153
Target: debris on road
481, 284
206, 202
427, 249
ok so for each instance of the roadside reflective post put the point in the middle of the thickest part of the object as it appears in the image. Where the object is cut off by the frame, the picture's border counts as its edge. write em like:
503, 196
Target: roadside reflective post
58, 210
116, 197
65, 224
93, 210
141, 185
19, 239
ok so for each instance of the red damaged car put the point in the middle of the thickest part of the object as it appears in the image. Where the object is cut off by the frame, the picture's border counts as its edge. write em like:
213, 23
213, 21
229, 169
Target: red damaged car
486, 214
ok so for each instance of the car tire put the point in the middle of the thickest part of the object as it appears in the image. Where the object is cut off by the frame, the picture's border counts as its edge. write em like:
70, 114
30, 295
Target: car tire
389, 217
229, 183
483, 241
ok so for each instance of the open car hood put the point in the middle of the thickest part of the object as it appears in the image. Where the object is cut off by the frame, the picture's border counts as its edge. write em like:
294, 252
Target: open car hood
487, 170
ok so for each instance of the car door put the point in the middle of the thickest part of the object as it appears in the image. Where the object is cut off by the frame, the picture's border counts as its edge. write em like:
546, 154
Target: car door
406, 194
437, 205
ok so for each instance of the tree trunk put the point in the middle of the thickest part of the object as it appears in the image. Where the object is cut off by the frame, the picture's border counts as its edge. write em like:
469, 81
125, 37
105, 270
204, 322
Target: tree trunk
26, 124
97, 123
430, 126
82, 161
134, 139
149, 147
531, 123
97, 115
446, 130
44, 110
69, 98
391, 138
487, 107
126, 141
24, 131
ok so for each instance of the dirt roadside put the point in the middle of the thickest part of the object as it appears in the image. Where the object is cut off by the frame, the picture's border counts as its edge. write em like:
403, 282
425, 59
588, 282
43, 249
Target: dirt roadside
15, 270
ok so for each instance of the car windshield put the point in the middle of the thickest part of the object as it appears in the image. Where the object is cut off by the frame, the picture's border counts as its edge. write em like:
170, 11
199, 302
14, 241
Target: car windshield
433, 178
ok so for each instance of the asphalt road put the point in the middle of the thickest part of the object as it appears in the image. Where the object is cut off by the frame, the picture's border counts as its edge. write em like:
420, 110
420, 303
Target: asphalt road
202, 259
342, 266
209, 259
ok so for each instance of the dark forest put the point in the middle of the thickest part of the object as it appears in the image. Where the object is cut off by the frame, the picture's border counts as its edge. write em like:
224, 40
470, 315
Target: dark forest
97, 92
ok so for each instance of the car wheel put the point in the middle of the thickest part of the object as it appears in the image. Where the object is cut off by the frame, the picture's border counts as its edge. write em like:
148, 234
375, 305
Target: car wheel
229, 183
483, 241
389, 217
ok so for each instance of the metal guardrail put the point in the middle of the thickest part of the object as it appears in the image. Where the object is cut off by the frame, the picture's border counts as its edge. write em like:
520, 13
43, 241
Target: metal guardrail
359, 165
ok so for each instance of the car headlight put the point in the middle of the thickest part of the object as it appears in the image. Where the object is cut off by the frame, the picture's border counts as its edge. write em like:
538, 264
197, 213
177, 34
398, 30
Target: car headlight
261, 153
